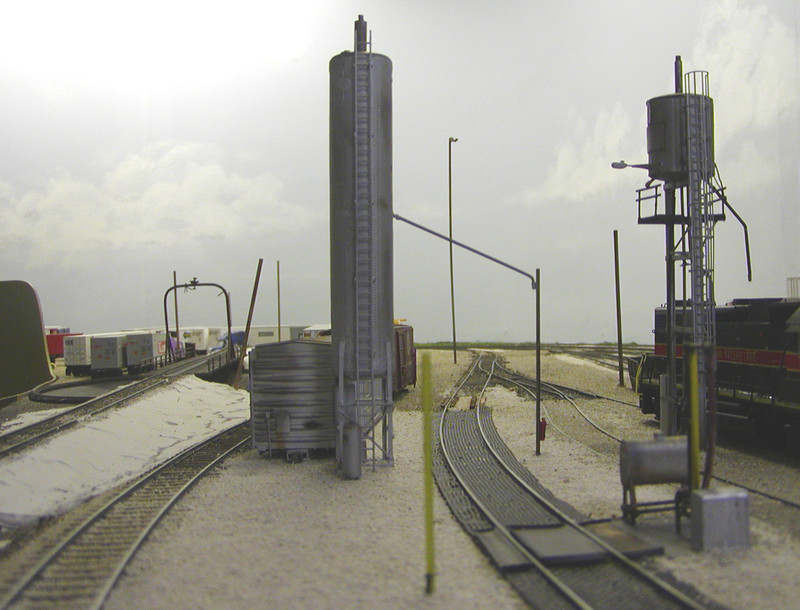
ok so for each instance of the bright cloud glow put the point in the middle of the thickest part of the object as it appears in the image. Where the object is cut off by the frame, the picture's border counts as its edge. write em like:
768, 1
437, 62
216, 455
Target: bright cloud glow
151, 44
752, 61
581, 166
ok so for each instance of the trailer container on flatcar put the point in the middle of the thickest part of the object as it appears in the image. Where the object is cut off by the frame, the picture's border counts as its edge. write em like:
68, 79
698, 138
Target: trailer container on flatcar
143, 348
270, 334
108, 354
78, 354
55, 343
202, 337
317, 332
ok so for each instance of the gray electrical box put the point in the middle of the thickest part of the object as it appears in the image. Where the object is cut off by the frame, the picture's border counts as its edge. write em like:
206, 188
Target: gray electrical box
720, 518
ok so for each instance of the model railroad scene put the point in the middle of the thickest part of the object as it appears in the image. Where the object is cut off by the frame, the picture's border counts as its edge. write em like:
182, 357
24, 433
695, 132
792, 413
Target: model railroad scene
348, 464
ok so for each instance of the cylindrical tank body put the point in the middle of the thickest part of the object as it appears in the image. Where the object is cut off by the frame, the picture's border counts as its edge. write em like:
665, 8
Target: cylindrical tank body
651, 462
290, 396
346, 195
667, 142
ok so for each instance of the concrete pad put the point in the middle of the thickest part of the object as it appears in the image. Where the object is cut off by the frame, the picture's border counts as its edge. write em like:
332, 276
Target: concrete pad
625, 542
560, 545
504, 554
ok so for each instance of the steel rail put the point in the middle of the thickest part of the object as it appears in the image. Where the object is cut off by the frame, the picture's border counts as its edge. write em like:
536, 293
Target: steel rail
126, 559
620, 557
551, 421
526, 388
551, 578
561, 394
605, 356
46, 432
19, 589
454, 395
565, 388
90, 408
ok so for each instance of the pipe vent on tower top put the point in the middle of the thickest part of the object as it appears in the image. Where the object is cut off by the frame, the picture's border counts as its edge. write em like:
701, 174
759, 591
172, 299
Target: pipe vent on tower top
361, 34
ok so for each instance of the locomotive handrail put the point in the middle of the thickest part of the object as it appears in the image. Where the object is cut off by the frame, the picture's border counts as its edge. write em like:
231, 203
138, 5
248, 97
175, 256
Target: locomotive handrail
163, 360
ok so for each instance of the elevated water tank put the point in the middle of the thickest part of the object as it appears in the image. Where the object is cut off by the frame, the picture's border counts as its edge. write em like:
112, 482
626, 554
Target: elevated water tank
667, 139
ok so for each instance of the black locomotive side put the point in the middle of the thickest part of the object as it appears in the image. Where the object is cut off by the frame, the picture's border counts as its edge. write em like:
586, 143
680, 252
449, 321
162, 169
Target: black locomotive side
757, 357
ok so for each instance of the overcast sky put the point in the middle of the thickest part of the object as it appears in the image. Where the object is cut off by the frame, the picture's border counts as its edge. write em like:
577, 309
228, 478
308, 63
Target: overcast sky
142, 138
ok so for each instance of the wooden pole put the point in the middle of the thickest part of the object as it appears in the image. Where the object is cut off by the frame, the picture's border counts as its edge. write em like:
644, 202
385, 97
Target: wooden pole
242, 353
619, 310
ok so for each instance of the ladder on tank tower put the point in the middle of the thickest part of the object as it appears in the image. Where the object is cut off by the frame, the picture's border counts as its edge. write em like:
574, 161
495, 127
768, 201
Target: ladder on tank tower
702, 197
369, 401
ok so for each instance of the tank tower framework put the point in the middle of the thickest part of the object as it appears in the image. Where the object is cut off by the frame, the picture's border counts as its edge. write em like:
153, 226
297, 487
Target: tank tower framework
361, 254
680, 143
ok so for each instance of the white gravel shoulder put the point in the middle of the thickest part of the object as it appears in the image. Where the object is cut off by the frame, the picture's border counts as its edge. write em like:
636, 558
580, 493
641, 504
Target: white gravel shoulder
766, 575
268, 534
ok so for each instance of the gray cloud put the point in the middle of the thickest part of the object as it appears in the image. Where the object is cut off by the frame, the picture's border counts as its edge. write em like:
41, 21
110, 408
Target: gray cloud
168, 195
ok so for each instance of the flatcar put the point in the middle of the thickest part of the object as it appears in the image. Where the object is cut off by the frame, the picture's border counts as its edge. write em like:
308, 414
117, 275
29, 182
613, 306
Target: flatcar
757, 362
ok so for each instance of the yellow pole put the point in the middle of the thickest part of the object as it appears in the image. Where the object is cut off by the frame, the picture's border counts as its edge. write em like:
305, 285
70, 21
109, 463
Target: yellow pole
694, 421
427, 452
279, 301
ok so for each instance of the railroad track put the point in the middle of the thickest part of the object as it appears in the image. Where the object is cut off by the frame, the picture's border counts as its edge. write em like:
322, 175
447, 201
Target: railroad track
80, 569
537, 541
24, 436
603, 355
528, 385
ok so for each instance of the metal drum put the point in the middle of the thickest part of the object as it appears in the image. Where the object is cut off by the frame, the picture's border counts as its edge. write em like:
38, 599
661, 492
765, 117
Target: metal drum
662, 460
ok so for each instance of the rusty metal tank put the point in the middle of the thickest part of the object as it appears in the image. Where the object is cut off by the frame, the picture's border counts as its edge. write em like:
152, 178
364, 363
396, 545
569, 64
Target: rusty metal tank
667, 140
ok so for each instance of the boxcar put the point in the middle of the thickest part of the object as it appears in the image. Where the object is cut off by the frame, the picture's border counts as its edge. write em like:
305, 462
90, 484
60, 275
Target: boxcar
55, 343
405, 358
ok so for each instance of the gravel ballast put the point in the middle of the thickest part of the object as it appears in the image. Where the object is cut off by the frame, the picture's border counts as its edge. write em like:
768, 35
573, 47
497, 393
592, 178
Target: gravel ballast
266, 533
